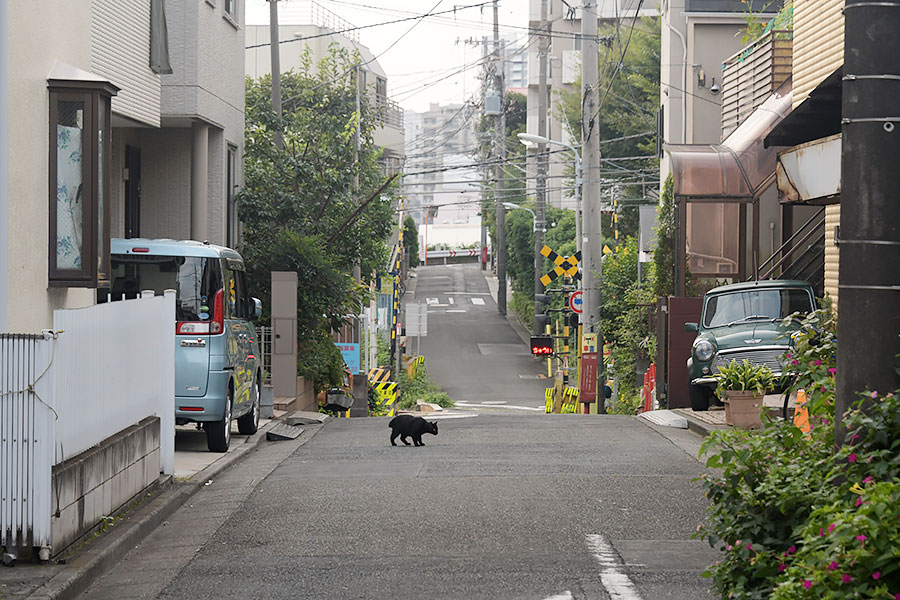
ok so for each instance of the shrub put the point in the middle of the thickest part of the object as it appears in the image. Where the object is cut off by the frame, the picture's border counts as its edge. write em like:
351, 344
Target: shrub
798, 519
421, 387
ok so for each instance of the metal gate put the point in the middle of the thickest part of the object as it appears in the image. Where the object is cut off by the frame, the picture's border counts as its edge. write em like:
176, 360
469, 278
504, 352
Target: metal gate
26, 439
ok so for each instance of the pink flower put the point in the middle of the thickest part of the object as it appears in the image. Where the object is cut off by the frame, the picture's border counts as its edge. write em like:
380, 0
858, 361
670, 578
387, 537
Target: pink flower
833, 566
831, 528
876, 575
783, 566
868, 480
787, 354
859, 500
861, 538
846, 578
792, 549
852, 457
795, 362
749, 545
728, 547
808, 584
823, 389
874, 394
821, 532
832, 370
817, 362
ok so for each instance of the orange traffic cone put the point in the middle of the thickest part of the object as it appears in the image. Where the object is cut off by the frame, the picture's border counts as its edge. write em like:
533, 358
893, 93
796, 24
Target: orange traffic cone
801, 414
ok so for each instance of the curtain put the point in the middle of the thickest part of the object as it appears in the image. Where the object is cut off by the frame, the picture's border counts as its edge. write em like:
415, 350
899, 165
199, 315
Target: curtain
159, 38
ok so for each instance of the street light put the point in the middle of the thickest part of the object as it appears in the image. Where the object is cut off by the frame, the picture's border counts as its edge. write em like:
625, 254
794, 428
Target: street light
530, 138
533, 216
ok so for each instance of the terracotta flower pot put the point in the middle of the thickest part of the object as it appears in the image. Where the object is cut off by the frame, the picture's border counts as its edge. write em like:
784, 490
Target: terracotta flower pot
727, 412
746, 409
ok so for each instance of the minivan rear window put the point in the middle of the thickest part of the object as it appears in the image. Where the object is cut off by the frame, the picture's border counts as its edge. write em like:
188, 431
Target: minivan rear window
194, 279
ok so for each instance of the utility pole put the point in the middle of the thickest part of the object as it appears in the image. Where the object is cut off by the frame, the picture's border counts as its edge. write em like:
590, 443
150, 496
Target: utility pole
592, 245
540, 215
500, 147
275, 54
360, 407
486, 170
869, 235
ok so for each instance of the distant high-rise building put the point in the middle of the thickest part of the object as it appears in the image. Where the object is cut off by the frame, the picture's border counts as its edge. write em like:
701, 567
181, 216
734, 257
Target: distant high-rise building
440, 144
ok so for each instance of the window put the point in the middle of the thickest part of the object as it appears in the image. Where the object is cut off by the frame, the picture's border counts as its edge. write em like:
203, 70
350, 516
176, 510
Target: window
231, 217
79, 183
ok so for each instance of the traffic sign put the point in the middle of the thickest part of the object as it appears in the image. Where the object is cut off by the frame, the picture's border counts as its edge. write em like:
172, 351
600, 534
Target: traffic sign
576, 302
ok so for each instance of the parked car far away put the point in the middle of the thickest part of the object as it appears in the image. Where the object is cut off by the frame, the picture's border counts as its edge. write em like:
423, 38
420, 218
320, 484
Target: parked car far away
743, 321
218, 370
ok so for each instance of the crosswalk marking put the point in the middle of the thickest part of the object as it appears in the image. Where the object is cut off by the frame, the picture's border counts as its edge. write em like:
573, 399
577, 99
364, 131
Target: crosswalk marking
478, 301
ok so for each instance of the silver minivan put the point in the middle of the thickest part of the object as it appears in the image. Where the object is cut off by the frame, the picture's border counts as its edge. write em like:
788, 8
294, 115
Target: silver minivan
218, 368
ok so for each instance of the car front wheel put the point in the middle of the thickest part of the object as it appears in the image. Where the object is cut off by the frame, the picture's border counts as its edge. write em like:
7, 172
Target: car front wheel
218, 433
700, 397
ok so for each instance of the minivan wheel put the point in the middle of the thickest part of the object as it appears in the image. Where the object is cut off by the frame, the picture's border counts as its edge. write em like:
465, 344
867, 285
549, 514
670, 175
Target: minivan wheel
218, 433
700, 395
249, 423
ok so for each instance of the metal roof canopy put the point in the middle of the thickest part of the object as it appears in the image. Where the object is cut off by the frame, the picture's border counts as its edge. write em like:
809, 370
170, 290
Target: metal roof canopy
817, 117
738, 169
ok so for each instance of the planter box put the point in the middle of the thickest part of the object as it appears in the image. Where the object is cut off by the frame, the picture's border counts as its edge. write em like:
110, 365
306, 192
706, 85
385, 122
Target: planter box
746, 409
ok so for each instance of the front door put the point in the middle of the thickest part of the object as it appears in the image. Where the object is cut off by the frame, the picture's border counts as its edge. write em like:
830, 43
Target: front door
133, 192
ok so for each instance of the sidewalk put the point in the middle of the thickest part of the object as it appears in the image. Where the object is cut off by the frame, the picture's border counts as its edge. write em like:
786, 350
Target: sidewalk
67, 576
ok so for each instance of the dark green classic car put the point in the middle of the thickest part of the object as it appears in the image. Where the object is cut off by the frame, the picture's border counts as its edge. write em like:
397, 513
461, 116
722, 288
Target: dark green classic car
743, 321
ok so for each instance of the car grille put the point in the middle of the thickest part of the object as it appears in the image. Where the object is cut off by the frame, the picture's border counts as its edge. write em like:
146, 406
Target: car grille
769, 357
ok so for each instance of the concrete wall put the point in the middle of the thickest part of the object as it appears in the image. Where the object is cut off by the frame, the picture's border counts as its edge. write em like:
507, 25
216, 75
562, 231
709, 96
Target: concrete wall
96, 483
4, 161
29, 303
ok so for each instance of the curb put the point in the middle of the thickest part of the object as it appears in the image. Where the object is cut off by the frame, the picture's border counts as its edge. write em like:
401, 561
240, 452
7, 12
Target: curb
120, 540
699, 427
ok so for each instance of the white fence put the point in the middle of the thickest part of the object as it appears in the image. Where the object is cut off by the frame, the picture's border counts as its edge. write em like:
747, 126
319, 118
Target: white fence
113, 366
26, 440
101, 370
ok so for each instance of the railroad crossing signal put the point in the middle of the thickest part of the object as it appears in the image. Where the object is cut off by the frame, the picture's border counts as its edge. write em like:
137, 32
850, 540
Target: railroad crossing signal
564, 266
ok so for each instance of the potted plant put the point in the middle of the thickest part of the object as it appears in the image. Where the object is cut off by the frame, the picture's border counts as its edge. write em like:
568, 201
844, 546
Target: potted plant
742, 387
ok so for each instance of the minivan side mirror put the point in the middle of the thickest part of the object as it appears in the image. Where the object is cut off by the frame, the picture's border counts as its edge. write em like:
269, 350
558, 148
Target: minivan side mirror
691, 327
257, 307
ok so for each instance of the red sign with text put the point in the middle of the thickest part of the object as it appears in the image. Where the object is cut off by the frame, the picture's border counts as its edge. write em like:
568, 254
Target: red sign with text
588, 383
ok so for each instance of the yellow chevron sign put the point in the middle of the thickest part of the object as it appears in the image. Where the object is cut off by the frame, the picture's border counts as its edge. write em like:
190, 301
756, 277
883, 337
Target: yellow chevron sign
564, 265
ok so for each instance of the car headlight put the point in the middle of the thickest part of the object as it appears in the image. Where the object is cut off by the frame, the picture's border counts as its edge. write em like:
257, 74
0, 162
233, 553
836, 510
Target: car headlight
703, 350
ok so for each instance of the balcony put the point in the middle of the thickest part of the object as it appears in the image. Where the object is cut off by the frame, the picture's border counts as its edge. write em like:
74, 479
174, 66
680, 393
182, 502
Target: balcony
752, 74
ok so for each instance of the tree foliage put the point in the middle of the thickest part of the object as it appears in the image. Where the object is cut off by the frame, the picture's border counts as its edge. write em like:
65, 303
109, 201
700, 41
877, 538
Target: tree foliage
313, 208
411, 241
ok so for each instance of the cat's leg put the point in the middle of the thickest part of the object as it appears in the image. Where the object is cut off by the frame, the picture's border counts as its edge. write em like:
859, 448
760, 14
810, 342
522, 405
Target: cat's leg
403, 439
418, 440
394, 434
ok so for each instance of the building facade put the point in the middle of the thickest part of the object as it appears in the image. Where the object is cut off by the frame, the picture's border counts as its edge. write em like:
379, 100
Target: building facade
101, 139
318, 35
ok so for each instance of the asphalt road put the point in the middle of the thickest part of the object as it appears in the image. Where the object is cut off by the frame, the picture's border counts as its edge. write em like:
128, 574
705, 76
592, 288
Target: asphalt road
502, 503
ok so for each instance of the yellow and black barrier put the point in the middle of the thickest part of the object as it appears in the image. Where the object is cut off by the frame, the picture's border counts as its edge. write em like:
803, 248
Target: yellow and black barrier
565, 403
412, 366
385, 398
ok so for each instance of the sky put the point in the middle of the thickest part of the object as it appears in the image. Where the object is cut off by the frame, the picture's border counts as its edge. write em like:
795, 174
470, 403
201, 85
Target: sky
424, 59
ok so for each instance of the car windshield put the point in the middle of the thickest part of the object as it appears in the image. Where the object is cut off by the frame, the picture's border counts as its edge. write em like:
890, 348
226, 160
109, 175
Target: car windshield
194, 279
751, 305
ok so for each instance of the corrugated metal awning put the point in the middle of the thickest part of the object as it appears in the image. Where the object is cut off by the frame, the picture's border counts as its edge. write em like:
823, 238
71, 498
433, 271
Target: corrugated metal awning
739, 168
817, 117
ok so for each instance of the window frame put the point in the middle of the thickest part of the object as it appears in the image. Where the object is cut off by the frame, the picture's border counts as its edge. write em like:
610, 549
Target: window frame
95, 96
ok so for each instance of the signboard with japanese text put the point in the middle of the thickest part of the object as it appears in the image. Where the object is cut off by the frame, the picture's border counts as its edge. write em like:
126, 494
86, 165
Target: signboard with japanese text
588, 383
350, 354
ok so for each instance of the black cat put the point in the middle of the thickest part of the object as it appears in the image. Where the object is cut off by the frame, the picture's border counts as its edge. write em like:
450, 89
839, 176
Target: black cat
408, 425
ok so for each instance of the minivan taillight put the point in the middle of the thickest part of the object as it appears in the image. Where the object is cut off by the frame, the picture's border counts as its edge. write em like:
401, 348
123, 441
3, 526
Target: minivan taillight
217, 325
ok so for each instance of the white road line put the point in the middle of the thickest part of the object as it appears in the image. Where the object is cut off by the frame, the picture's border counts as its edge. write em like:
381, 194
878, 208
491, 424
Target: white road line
431, 300
566, 595
450, 300
455, 310
617, 583
478, 301
475, 405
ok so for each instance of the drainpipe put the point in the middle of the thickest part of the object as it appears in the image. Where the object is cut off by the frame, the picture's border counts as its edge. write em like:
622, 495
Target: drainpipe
4, 168
680, 35
200, 182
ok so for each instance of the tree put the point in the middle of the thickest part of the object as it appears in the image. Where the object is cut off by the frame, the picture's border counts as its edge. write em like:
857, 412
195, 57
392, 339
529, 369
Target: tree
411, 241
302, 208
629, 99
